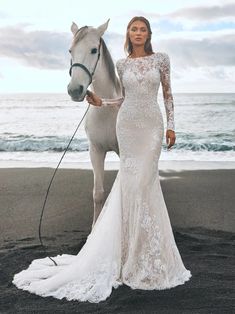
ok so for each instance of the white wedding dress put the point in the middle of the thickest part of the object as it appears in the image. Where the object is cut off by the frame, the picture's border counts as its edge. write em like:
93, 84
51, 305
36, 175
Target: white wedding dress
132, 241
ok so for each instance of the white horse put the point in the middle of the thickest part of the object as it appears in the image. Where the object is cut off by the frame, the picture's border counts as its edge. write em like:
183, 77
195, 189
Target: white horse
91, 63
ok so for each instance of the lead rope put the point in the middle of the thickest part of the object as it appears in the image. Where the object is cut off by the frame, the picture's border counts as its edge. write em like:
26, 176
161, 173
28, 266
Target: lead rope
49, 186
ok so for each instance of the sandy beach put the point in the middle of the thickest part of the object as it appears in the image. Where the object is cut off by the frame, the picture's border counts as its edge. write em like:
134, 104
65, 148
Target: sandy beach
201, 208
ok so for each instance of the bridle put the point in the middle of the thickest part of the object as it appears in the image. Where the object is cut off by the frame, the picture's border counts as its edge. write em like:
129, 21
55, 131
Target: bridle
84, 67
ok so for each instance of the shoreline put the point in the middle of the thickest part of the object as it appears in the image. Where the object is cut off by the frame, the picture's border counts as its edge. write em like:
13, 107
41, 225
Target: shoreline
175, 165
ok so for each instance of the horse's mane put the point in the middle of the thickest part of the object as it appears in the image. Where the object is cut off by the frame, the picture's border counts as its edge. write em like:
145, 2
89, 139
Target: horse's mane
81, 32
110, 65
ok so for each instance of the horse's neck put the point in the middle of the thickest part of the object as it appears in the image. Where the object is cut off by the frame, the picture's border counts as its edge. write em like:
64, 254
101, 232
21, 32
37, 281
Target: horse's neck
102, 84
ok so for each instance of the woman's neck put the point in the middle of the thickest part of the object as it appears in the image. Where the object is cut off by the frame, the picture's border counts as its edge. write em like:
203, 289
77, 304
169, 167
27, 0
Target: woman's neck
138, 52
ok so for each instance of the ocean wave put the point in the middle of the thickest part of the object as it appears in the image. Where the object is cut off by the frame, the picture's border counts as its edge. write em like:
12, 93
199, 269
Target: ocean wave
197, 147
31, 143
215, 104
37, 107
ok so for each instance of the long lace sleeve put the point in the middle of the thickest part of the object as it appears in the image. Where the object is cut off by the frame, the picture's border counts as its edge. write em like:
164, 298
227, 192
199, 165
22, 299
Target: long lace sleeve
166, 90
116, 101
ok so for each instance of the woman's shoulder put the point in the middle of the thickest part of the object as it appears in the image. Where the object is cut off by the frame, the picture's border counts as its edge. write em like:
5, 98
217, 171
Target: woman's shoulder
120, 61
120, 64
162, 57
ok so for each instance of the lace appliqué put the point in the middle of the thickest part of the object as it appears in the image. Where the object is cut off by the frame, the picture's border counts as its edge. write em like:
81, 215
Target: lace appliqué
157, 66
93, 286
165, 69
149, 267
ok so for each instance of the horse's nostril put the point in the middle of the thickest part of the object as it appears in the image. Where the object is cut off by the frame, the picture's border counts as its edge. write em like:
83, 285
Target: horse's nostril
75, 92
80, 89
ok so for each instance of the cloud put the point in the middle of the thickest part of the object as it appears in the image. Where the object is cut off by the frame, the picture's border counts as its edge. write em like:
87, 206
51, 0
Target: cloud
46, 49
115, 44
205, 12
217, 72
203, 18
49, 50
40, 49
198, 53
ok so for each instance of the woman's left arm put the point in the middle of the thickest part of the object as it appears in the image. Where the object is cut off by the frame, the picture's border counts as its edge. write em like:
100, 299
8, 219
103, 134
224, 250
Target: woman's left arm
165, 69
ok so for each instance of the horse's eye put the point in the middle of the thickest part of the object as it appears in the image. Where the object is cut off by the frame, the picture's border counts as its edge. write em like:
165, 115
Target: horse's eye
94, 50
70, 50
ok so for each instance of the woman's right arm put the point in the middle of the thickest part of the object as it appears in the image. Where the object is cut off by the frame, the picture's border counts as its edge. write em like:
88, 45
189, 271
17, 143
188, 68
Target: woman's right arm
97, 101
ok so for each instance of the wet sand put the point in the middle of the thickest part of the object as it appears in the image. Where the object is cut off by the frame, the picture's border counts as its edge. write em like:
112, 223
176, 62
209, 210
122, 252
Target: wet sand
201, 208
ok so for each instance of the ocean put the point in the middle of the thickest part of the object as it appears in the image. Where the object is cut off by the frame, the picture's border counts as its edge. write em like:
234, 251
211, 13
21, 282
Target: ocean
36, 128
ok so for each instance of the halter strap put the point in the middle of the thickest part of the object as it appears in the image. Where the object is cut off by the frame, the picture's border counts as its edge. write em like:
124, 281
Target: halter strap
84, 67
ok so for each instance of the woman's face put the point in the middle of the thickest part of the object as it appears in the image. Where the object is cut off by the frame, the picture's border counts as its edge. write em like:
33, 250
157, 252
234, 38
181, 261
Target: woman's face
138, 33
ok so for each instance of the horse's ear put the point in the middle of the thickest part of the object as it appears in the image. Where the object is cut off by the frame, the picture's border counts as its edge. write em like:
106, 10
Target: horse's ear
102, 28
74, 28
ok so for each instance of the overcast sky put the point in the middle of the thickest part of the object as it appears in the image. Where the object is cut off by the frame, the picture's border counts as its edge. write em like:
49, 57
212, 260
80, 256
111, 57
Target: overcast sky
198, 35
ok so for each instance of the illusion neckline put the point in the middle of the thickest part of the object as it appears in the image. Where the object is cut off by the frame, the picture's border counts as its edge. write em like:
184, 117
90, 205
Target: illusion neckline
142, 57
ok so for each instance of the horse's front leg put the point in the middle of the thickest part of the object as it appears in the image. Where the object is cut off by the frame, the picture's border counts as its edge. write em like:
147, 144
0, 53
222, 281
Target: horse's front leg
97, 159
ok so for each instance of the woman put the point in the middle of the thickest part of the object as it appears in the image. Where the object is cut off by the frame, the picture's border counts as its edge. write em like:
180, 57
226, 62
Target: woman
132, 241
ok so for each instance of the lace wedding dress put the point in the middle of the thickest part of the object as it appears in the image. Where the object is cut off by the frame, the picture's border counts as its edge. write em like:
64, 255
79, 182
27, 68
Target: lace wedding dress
132, 241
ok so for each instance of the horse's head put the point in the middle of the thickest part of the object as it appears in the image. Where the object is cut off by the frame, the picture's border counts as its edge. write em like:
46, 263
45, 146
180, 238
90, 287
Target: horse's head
85, 53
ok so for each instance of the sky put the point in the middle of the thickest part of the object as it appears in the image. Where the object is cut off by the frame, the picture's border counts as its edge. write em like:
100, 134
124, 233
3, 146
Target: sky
198, 36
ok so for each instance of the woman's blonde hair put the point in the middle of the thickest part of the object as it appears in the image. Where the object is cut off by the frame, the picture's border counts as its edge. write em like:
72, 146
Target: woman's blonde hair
128, 48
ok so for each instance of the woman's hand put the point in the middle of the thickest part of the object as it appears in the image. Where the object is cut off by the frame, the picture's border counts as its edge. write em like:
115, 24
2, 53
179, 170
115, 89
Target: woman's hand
93, 99
170, 138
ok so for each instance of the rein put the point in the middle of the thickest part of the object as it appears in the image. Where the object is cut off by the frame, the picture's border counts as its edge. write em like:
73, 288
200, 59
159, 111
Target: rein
90, 74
